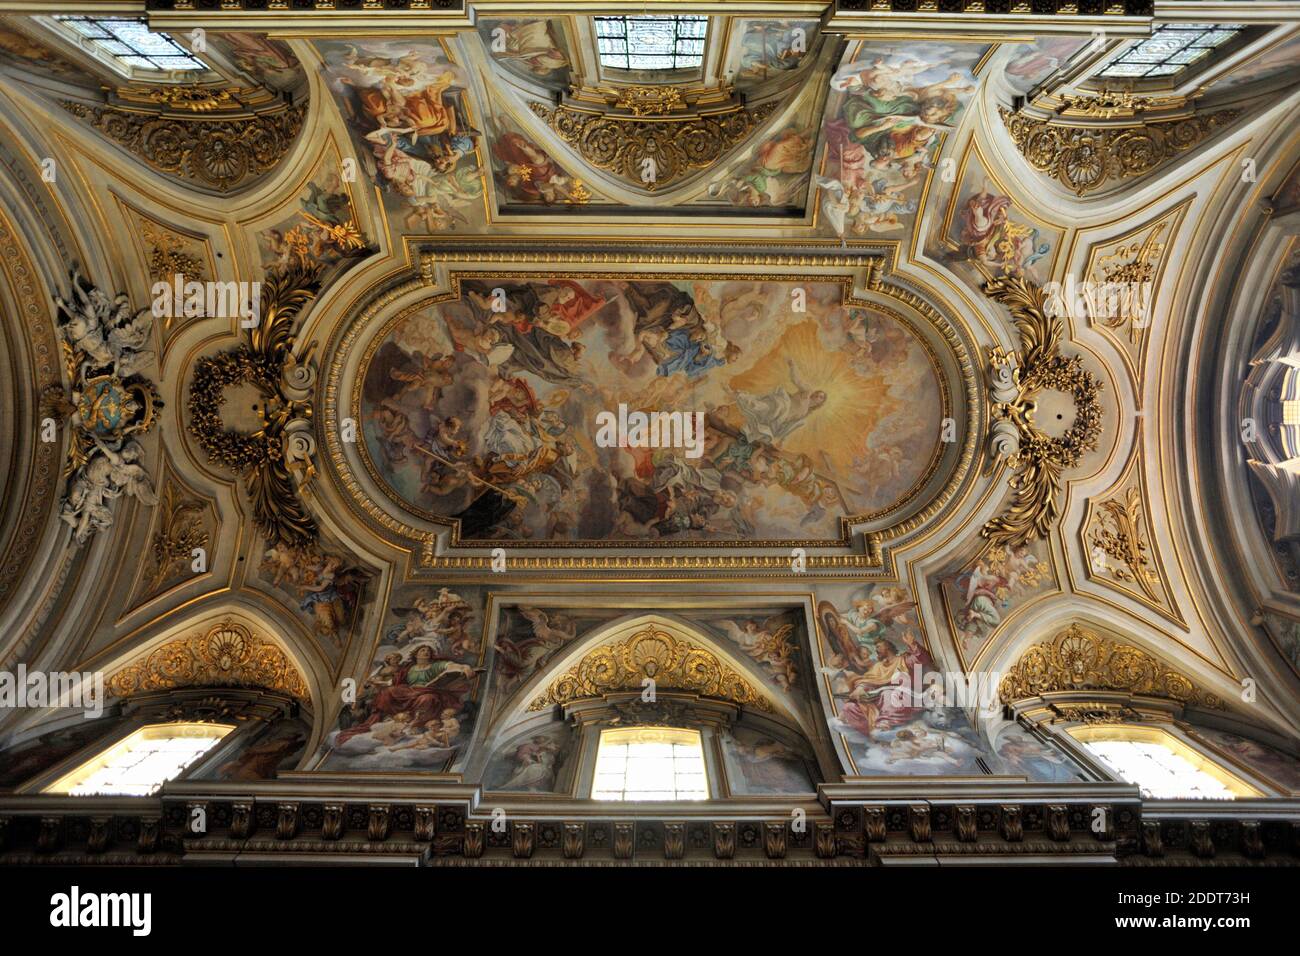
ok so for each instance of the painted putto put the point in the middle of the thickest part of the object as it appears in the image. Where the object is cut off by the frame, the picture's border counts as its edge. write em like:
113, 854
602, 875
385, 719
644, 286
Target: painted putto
406, 106
567, 408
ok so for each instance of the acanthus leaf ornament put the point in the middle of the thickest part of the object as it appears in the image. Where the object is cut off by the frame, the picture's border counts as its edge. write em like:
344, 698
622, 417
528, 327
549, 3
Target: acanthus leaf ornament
675, 144
208, 149
672, 663
107, 404
276, 461
181, 530
227, 654
1015, 381
1119, 535
1087, 158
1079, 659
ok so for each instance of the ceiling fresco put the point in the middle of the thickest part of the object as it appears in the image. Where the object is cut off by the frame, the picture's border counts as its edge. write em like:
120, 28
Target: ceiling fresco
482, 409
889, 107
885, 398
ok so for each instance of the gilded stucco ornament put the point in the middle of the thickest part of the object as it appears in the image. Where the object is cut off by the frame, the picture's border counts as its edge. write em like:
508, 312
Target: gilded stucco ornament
1079, 659
1017, 380
672, 663
649, 100
276, 461
107, 404
1119, 542
675, 144
209, 149
1086, 158
180, 531
227, 654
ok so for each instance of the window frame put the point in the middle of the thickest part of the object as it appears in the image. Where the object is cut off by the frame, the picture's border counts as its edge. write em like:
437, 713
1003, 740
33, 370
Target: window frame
1146, 733
677, 736
1190, 78
61, 27
666, 74
103, 754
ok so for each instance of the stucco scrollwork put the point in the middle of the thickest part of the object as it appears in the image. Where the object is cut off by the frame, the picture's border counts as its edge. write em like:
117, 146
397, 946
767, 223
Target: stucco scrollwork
1079, 659
672, 663
221, 154
675, 145
1084, 158
277, 460
227, 654
1016, 380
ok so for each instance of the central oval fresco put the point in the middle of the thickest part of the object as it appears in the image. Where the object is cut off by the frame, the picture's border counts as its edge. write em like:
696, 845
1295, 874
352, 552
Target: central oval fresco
703, 410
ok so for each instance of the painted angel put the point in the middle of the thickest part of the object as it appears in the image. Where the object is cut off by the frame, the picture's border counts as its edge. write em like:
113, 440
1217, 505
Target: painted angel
521, 657
768, 643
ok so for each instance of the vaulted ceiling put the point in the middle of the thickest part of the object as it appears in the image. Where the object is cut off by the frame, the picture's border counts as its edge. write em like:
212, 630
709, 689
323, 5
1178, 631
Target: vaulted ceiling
873, 252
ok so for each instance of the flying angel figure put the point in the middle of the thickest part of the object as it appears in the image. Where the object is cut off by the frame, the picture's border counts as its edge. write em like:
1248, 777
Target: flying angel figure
768, 643
104, 333
522, 657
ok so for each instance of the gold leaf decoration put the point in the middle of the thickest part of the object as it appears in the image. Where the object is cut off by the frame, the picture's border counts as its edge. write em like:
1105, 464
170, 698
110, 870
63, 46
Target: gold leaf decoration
1109, 104
672, 663
220, 154
1119, 535
193, 99
676, 145
1132, 265
1078, 659
1038, 459
181, 529
227, 654
276, 460
1086, 158
171, 254
649, 100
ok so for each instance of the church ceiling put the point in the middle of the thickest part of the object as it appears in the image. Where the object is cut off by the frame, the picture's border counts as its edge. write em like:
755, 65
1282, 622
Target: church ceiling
478, 362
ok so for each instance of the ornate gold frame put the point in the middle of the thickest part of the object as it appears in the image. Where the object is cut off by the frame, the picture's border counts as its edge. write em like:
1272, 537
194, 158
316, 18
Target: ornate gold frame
398, 532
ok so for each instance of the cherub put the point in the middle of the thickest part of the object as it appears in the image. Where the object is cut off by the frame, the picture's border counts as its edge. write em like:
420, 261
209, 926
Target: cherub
389, 732
439, 734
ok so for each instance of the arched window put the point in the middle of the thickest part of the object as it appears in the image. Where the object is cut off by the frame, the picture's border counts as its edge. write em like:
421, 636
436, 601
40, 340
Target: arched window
131, 45
140, 763
650, 763
651, 42
1164, 767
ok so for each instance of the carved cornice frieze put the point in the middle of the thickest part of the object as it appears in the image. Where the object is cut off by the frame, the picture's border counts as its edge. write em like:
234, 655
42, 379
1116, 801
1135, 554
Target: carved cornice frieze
1016, 380
1079, 659
227, 654
1086, 158
672, 663
1062, 828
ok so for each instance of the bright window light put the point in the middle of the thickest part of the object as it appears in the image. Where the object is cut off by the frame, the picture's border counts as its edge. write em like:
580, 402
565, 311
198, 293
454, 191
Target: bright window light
651, 43
650, 763
1171, 48
1163, 766
141, 763
129, 41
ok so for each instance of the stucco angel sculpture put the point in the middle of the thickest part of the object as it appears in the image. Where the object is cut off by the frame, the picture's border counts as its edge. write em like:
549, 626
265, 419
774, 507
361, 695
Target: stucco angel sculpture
108, 404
